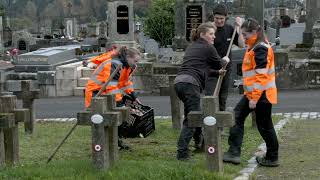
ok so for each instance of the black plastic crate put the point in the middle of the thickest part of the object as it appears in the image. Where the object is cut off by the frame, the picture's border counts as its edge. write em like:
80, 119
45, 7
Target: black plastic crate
140, 121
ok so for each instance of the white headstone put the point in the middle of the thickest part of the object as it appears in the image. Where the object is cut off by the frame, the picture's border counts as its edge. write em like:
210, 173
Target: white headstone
1, 35
152, 47
69, 28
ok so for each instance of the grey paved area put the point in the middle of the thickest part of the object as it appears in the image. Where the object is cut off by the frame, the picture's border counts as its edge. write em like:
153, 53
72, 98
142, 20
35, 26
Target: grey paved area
289, 101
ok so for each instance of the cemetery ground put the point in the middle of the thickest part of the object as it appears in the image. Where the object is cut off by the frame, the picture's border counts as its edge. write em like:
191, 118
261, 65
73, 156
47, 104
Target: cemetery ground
299, 153
150, 158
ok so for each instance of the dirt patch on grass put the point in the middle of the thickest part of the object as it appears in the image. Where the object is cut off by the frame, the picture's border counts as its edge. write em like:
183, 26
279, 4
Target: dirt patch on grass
299, 153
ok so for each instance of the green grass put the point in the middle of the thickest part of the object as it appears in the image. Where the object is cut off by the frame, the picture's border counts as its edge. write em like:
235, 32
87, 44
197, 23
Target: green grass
151, 158
298, 154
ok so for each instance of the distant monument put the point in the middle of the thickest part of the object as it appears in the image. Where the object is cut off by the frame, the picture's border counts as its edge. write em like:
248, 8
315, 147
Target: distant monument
121, 22
313, 14
315, 50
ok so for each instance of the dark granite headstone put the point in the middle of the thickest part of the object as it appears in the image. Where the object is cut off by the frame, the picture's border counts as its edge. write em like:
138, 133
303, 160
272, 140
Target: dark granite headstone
193, 19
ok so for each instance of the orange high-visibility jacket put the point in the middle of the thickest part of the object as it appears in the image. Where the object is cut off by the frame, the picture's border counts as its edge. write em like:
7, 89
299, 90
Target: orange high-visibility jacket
259, 73
103, 57
119, 85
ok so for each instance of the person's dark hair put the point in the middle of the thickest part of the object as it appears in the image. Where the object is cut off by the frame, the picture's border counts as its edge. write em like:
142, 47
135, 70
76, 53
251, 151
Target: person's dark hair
220, 9
203, 28
131, 52
124, 52
250, 25
210, 18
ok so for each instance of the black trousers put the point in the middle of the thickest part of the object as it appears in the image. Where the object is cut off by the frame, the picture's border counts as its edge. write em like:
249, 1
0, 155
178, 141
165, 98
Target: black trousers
223, 94
264, 124
189, 94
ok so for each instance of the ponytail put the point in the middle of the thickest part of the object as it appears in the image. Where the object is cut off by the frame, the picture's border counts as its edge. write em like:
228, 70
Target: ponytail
194, 35
203, 28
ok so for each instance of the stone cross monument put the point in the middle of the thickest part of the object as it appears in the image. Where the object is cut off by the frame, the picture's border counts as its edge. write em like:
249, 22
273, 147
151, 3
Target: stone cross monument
120, 21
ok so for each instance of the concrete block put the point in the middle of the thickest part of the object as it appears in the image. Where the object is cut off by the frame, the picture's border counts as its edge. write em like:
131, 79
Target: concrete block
47, 77
82, 82
144, 68
87, 72
163, 69
145, 83
2, 87
15, 85
79, 91
68, 72
64, 93
66, 84
314, 64
47, 91
3, 76
313, 78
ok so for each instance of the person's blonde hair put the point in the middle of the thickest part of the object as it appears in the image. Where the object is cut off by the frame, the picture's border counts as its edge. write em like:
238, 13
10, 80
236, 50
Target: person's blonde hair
202, 28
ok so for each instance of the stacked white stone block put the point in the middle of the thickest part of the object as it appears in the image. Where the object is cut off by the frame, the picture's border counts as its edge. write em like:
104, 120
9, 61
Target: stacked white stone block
84, 74
66, 79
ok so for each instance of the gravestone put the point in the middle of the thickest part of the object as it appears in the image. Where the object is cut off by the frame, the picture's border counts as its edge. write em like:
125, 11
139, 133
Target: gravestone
46, 59
9, 135
121, 23
212, 129
313, 14
22, 40
292, 34
241, 7
7, 37
256, 10
152, 47
315, 50
189, 15
166, 55
171, 71
1, 35
104, 119
92, 30
103, 30
71, 27
142, 39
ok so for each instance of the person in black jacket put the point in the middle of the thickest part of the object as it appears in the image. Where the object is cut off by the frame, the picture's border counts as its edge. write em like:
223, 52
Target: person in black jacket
221, 43
199, 58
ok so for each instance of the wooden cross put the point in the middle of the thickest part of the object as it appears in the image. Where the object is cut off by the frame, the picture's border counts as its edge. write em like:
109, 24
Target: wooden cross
212, 129
9, 136
104, 118
176, 105
28, 96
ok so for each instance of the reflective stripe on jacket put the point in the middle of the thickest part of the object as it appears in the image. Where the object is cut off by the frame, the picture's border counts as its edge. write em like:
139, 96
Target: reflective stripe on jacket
104, 57
119, 85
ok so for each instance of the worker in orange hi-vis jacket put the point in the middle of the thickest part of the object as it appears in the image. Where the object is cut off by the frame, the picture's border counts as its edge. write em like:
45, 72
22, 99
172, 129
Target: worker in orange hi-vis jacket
260, 93
120, 83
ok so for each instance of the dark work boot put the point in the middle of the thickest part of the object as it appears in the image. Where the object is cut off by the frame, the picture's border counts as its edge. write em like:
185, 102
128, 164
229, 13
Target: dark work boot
231, 158
262, 161
199, 147
185, 156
